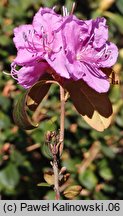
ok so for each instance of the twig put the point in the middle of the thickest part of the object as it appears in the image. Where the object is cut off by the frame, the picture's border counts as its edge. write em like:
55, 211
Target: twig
93, 152
56, 179
57, 149
65, 185
62, 118
33, 147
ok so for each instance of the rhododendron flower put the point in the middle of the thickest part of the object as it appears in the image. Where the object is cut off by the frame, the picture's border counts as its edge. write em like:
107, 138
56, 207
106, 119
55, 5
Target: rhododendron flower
72, 48
33, 43
86, 51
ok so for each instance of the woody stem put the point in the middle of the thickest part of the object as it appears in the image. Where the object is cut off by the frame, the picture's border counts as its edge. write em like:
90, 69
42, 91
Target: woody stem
56, 178
62, 118
60, 144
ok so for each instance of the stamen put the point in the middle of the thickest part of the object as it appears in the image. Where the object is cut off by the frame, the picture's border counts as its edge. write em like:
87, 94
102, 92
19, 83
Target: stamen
99, 54
57, 51
73, 8
50, 57
33, 44
29, 48
14, 71
44, 37
86, 47
6, 73
54, 7
53, 37
104, 54
42, 30
30, 45
66, 12
63, 9
90, 39
25, 36
95, 71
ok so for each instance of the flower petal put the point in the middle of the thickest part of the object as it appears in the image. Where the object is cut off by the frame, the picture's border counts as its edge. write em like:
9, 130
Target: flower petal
29, 75
58, 63
110, 56
95, 78
74, 32
100, 32
46, 17
19, 38
75, 70
24, 57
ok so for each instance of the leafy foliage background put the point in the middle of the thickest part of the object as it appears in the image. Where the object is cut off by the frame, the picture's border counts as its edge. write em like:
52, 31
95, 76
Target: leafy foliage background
94, 159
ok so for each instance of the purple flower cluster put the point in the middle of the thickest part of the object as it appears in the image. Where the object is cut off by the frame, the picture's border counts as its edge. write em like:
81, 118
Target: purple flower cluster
72, 48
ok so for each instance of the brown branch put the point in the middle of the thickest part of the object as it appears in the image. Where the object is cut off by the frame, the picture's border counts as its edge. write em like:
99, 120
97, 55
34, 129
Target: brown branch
56, 179
57, 149
93, 152
62, 119
33, 147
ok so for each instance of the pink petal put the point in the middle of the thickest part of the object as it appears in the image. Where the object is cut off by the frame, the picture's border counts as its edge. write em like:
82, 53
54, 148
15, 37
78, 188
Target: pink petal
100, 32
95, 78
19, 32
74, 32
110, 56
58, 63
48, 19
25, 57
75, 70
29, 75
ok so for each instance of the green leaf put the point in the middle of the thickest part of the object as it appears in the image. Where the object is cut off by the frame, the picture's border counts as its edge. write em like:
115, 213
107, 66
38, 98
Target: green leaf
88, 179
17, 158
95, 108
49, 3
107, 151
43, 184
109, 188
4, 121
99, 196
119, 4
71, 164
4, 103
9, 177
119, 121
45, 149
50, 195
116, 19
104, 170
106, 173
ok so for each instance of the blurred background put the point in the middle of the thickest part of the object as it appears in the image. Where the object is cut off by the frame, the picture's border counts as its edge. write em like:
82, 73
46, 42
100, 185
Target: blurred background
93, 159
